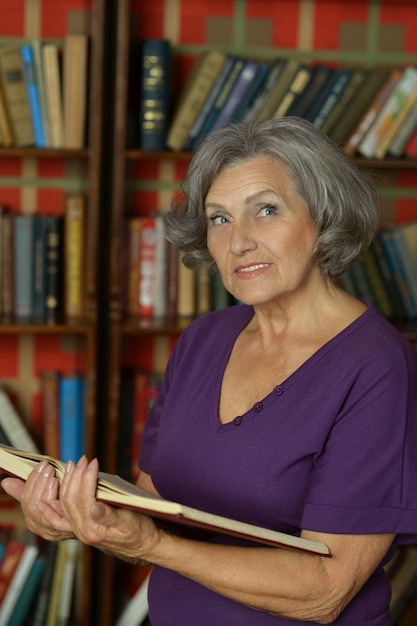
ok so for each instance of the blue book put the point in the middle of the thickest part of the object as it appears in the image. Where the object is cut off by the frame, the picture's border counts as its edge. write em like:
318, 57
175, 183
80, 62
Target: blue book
321, 74
154, 92
28, 594
194, 136
238, 93
39, 268
72, 417
330, 96
33, 94
252, 92
23, 257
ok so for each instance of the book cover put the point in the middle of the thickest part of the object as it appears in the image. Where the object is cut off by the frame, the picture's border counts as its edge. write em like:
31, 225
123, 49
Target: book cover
371, 112
27, 596
9, 564
405, 103
13, 425
410, 149
295, 90
40, 80
154, 94
39, 268
7, 268
388, 243
321, 75
147, 266
398, 143
14, 89
344, 99
239, 91
74, 90
373, 144
6, 129
219, 103
262, 96
49, 400
33, 94
160, 301
24, 266
72, 397
195, 136
360, 101
22, 571
116, 491
196, 90
53, 268
279, 89
74, 255
53, 93
323, 105
40, 609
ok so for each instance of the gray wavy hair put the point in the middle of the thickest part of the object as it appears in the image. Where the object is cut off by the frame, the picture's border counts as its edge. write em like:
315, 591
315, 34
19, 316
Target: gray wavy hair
342, 202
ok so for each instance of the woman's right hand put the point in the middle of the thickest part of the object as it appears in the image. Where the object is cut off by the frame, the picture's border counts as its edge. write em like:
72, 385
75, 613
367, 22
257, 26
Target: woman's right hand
40, 490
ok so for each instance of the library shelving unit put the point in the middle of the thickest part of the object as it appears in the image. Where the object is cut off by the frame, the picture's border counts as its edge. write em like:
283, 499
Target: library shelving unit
84, 330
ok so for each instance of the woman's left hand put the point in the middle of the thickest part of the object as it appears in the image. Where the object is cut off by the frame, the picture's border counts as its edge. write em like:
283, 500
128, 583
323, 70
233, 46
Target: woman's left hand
121, 532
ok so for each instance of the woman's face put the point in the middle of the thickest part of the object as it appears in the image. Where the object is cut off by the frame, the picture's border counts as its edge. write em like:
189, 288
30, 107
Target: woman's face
259, 232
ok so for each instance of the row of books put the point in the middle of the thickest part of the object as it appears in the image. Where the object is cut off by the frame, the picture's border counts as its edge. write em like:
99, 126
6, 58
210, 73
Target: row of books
37, 581
386, 276
43, 93
42, 264
63, 402
156, 282
369, 111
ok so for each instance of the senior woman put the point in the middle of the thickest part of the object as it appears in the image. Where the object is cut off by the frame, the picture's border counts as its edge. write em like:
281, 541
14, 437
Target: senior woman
295, 410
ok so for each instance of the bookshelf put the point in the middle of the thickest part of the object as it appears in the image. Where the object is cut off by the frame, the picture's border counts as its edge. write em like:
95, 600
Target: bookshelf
150, 177
66, 344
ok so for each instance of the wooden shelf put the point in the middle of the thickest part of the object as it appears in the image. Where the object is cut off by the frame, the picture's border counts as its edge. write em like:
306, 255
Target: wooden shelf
43, 153
154, 326
17, 327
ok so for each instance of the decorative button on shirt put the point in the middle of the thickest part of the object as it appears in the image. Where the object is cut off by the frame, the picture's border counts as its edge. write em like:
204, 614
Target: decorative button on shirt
237, 420
278, 390
258, 406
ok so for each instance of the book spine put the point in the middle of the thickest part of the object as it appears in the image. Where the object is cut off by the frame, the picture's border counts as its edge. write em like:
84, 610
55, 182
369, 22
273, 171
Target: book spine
72, 417
410, 149
24, 265
8, 566
54, 241
40, 610
331, 99
238, 92
133, 266
299, 83
342, 104
74, 255
33, 94
154, 96
194, 136
7, 265
74, 89
147, 265
202, 81
160, 308
40, 80
13, 425
22, 571
39, 268
27, 597
6, 130
272, 78
49, 395
72, 552
14, 87
52, 74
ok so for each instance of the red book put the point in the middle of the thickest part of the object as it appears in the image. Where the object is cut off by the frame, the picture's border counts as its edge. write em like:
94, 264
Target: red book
132, 269
411, 147
147, 264
8, 565
49, 383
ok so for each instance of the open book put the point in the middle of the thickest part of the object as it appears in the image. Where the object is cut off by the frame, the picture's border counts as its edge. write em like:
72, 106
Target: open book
120, 493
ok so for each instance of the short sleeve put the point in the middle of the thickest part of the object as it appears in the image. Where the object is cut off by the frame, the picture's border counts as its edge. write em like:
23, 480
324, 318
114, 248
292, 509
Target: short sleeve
365, 480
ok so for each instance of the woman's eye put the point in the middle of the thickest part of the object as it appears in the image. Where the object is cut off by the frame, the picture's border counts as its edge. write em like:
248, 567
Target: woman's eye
267, 210
218, 220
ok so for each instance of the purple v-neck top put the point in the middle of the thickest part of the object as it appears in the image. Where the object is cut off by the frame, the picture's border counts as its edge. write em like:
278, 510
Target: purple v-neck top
332, 448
